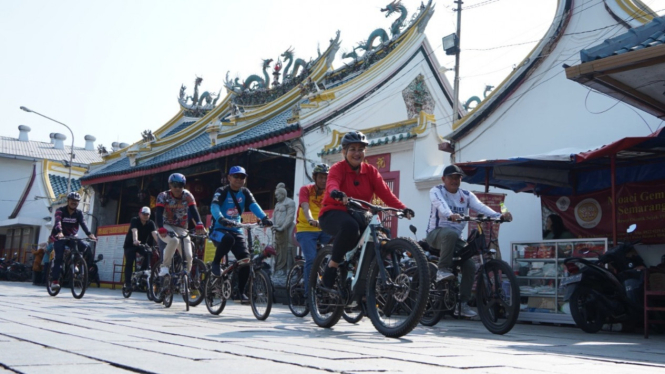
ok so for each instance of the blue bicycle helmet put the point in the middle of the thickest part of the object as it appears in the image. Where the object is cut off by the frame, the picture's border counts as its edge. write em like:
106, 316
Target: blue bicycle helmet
177, 178
237, 170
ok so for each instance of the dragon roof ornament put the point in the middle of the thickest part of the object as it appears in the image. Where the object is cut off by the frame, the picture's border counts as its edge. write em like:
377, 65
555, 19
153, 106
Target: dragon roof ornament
257, 91
197, 105
374, 52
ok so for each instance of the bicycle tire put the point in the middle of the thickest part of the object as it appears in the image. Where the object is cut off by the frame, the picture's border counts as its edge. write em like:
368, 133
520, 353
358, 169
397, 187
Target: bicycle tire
396, 311
326, 309
148, 291
353, 316
214, 294
51, 291
433, 311
197, 283
167, 291
295, 290
498, 302
184, 290
79, 279
155, 286
260, 297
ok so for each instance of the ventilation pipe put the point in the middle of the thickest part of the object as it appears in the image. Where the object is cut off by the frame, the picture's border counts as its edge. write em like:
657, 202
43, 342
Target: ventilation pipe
23, 131
90, 143
59, 140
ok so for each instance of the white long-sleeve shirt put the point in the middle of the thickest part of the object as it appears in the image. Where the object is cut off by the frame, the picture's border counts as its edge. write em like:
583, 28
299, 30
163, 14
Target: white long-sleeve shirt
445, 204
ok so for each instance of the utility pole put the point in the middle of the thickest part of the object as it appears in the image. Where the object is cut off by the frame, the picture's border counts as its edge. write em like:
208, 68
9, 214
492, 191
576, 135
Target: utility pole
457, 55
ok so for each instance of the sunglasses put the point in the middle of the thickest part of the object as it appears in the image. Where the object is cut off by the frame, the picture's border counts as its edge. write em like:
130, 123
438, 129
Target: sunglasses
239, 176
177, 185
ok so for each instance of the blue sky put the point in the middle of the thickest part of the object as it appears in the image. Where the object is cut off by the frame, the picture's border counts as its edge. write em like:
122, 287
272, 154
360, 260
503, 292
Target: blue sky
114, 68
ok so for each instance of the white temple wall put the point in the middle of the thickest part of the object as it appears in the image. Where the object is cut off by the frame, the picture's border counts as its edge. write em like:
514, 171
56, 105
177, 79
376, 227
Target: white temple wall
548, 113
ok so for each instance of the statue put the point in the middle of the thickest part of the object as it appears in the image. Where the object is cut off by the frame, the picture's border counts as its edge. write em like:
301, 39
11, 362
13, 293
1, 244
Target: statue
284, 220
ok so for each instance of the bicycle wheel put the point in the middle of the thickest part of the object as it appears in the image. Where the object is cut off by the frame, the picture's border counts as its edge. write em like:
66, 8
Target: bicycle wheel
497, 297
395, 308
184, 290
353, 315
217, 290
155, 288
51, 291
295, 290
167, 291
197, 282
79, 277
326, 308
260, 296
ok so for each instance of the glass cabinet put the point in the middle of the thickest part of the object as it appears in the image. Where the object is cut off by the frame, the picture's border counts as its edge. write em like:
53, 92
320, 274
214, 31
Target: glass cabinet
539, 269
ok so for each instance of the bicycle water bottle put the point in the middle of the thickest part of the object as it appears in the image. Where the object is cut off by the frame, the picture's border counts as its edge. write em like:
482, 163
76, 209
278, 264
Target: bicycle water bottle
504, 210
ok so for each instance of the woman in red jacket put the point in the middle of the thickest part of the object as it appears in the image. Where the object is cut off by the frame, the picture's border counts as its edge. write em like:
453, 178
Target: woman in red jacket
350, 178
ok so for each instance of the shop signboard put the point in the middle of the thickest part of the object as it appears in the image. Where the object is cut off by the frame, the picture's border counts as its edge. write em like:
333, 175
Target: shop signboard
590, 215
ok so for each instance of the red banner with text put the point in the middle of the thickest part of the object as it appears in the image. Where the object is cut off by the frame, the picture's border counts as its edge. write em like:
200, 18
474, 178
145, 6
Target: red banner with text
590, 216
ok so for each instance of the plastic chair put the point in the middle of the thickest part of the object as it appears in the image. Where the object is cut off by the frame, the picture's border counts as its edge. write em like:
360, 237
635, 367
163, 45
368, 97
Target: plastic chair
650, 298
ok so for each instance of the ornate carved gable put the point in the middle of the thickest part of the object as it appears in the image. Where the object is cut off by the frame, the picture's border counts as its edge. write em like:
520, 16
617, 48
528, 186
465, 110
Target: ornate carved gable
417, 97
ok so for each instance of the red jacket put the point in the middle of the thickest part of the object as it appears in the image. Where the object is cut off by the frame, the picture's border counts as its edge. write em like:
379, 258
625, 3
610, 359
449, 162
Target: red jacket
360, 186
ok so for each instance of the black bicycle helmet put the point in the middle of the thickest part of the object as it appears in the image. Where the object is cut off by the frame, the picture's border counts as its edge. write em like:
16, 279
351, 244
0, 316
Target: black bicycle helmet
321, 169
354, 137
74, 196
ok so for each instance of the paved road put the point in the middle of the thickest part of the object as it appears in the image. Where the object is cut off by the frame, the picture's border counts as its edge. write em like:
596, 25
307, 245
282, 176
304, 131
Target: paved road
105, 333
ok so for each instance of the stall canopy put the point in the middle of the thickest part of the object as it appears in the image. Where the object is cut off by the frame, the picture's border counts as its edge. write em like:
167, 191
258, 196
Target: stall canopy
568, 173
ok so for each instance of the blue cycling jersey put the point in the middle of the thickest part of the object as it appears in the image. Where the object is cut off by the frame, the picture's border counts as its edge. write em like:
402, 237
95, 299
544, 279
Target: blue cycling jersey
223, 206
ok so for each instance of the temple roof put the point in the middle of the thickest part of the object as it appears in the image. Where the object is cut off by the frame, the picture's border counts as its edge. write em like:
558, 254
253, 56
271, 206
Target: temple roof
59, 184
645, 36
47, 151
200, 146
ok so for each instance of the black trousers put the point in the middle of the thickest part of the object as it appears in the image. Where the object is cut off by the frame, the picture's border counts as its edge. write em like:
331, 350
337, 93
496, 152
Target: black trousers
344, 228
234, 242
130, 259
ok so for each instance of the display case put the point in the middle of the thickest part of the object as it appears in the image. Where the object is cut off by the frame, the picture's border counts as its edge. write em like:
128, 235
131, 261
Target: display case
539, 269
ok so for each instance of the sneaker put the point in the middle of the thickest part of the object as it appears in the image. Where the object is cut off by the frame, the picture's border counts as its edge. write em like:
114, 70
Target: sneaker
55, 285
467, 312
163, 271
244, 299
329, 276
444, 274
216, 269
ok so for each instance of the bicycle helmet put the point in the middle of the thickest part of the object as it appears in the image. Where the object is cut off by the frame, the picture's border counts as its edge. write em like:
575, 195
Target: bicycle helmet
321, 169
237, 170
74, 196
354, 137
177, 178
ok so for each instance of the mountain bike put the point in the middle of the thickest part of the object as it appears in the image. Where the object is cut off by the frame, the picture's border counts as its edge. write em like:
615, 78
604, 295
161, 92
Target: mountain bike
176, 281
140, 278
74, 270
388, 279
497, 291
219, 289
197, 274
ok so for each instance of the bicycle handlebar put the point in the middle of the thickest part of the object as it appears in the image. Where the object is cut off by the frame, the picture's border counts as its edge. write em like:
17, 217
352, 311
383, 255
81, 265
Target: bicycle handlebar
375, 209
71, 237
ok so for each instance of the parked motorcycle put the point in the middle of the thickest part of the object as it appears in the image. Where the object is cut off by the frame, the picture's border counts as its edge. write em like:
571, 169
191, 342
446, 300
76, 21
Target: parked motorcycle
18, 271
608, 290
93, 271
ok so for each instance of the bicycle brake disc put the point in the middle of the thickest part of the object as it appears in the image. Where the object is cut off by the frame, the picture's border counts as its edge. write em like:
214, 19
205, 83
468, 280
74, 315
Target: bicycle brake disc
402, 287
226, 289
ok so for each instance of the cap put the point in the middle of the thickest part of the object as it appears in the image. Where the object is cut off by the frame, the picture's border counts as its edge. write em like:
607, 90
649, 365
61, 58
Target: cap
453, 170
145, 210
237, 170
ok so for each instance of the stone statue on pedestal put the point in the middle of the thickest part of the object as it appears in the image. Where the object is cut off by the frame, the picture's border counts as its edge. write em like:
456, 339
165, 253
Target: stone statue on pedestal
284, 220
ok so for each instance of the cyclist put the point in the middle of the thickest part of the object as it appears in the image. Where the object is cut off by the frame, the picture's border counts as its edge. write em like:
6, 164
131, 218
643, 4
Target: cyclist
353, 178
308, 231
174, 206
228, 204
444, 231
142, 230
67, 221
